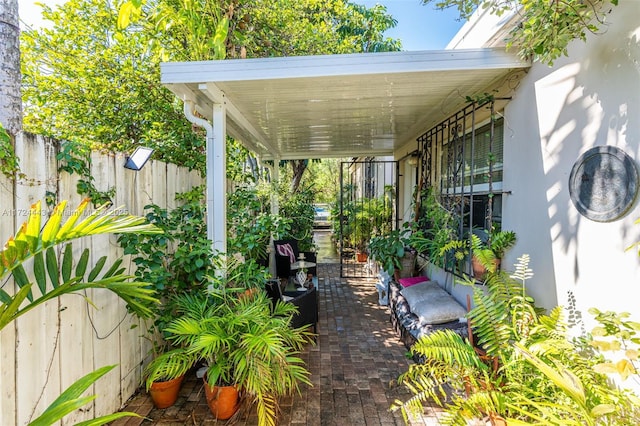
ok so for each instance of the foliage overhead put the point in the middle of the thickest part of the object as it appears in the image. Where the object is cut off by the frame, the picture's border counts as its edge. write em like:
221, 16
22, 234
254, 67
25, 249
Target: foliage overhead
88, 81
544, 27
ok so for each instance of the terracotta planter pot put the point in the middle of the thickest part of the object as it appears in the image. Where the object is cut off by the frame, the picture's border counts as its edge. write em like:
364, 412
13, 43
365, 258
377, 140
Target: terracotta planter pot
361, 257
479, 271
248, 293
223, 401
165, 394
497, 420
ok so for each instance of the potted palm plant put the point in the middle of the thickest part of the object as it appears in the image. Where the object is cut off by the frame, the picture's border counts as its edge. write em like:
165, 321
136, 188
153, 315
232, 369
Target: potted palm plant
164, 376
487, 254
247, 349
486, 249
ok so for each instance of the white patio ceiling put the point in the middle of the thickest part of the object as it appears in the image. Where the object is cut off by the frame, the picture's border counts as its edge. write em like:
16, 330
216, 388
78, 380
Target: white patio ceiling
337, 105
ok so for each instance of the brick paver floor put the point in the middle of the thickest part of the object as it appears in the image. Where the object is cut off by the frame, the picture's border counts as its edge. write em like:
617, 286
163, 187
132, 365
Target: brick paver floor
354, 369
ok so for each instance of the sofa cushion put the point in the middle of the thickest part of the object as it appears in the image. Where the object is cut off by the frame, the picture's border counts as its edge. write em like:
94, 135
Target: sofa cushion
438, 309
415, 293
408, 282
432, 304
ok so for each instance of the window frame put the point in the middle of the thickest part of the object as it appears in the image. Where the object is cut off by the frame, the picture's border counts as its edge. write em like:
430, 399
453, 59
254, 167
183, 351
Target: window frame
448, 168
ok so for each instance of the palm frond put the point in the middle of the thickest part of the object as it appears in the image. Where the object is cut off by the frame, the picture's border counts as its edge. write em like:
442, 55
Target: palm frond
30, 239
56, 276
477, 405
448, 347
169, 365
71, 400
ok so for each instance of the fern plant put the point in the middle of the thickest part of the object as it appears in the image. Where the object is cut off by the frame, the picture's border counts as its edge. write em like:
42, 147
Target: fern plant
474, 375
525, 369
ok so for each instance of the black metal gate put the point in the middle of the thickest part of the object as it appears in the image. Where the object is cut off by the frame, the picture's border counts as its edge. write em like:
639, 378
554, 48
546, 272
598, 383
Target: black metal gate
368, 207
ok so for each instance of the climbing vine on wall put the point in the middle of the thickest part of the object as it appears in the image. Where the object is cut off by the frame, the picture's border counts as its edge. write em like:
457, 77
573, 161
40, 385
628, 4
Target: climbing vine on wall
75, 157
8, 160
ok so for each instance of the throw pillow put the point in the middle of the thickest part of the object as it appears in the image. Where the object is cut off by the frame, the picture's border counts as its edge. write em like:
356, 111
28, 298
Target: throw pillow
408, 282
286, 250
417, 292
438, 308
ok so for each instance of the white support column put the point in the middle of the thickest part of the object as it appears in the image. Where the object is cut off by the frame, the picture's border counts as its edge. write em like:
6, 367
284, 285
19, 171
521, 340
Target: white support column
216, 173
275, 177
217, 179
275, 209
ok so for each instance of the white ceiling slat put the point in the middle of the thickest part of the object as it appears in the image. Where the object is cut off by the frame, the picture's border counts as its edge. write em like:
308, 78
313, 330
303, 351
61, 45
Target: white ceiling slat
338, 105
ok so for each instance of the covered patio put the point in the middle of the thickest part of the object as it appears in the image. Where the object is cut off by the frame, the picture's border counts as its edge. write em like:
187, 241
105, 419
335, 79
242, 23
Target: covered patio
329, 106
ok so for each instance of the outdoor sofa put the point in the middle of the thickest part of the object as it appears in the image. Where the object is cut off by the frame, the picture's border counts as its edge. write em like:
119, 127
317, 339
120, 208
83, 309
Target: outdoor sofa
419, 306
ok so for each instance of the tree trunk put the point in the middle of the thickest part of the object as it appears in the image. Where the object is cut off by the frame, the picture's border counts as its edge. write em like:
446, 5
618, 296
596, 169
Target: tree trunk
253, 165
298, 167
10, 79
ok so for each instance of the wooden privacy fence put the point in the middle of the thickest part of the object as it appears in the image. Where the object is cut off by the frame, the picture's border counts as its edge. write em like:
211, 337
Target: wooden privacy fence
46, 350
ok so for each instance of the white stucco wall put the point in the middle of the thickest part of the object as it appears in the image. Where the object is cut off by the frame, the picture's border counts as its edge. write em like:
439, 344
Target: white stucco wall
589, 99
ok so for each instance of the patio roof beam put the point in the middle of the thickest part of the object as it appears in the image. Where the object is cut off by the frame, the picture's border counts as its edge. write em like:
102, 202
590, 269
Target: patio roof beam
217, 96
331, 106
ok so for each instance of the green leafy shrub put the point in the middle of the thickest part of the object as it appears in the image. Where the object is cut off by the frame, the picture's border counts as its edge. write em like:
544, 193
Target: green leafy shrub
297, 208
389, 249
250, 225
177, 261
434, 228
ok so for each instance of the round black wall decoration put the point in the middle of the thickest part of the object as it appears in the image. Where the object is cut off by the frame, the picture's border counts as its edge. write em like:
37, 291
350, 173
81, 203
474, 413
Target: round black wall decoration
603, 183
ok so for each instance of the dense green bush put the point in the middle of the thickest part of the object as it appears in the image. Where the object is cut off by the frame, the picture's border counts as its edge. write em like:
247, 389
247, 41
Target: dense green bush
298, 209
250, 224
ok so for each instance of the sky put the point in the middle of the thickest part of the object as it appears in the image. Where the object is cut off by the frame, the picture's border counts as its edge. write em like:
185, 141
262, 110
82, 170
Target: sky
419, 27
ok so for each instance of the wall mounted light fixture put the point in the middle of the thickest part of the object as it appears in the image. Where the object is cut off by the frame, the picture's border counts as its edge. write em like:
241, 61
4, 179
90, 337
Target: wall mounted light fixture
138, 159
413, 159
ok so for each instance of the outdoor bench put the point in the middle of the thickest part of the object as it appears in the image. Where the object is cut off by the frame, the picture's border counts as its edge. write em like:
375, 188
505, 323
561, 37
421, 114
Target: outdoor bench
422, 306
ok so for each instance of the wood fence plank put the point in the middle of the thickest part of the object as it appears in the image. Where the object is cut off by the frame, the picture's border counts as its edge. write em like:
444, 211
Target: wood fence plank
76, 334
131, 330
109, 312
37, 332
172, 186
8, 334
159, 172
57, 342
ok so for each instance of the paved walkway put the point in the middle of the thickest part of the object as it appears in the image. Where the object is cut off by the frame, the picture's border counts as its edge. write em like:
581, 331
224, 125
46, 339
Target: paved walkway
354, 368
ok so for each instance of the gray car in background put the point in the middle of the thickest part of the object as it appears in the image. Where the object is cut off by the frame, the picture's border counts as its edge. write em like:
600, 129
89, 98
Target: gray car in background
322, 216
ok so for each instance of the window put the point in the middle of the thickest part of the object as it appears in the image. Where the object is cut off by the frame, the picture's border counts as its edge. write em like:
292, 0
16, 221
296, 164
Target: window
471, 166
461, 162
